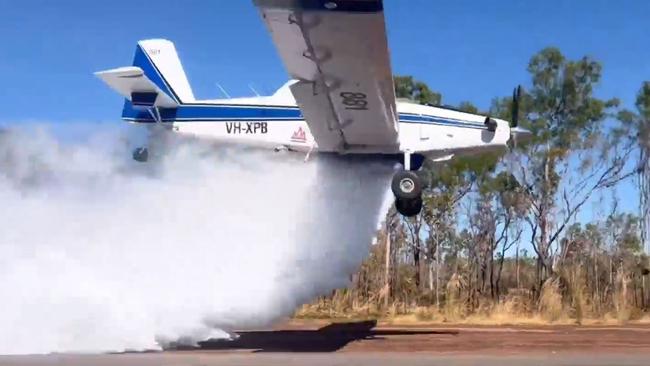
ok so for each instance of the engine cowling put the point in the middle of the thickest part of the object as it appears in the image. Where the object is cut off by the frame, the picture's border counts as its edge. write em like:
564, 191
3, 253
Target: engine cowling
491, 124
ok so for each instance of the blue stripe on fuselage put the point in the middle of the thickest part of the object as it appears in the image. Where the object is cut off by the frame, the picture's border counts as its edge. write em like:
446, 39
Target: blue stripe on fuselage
437, 120
213, 112
229, 112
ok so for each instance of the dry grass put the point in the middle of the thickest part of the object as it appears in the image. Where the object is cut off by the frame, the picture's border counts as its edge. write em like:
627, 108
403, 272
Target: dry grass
453, 309
340, 306
622, 309
515, 308
502, 314
578, 290
550, 301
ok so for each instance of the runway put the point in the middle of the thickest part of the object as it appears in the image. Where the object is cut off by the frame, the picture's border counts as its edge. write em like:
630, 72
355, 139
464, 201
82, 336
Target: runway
363, 343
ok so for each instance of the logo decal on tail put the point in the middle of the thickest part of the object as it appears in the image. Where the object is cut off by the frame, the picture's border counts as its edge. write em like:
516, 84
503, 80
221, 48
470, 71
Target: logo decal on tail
299, 136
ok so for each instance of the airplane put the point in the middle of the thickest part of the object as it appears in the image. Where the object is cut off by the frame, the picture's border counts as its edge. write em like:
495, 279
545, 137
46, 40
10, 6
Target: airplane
340, 99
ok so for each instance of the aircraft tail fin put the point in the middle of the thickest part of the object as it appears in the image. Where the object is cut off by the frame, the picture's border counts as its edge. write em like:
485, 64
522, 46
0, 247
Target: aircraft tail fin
156, 78
160, 62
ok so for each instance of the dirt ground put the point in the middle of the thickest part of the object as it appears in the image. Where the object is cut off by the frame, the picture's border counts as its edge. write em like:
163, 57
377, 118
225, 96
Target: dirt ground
366, 336
364, 343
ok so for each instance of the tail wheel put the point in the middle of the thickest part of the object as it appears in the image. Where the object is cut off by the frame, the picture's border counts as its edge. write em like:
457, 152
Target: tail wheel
409, 208
406, 185
141, 154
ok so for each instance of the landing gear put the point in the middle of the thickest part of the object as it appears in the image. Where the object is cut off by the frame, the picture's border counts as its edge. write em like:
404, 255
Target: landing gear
152, 141
141, 154
406, 185
156, 133
407, 188
408, 208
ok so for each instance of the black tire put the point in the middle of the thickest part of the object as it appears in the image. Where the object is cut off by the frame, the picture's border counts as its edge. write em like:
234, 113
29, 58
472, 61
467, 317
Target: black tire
141, 154
405, 179
408, 208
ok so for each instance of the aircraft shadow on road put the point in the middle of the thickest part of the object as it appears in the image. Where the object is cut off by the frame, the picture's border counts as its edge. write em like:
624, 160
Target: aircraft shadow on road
326, 339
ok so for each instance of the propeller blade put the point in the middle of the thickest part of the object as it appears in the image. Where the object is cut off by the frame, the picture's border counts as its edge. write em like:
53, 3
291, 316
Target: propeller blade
516, 95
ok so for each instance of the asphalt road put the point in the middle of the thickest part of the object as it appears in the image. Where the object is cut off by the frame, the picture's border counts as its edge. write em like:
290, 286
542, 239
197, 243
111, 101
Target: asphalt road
364, 344
319, 359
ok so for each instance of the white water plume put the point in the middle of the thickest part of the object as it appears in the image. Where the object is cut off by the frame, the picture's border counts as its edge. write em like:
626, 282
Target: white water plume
100, 253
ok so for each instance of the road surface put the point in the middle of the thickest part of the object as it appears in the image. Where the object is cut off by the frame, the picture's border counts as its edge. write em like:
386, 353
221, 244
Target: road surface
362, 343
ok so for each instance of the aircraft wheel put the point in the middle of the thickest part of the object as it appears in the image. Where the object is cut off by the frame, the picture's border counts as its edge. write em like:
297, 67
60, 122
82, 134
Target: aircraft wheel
406, 185
141, 154
409, 208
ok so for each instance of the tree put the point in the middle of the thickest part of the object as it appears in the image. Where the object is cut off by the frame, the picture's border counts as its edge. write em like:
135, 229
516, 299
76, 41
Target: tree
567, 122
409, 88
636, 126
448, 184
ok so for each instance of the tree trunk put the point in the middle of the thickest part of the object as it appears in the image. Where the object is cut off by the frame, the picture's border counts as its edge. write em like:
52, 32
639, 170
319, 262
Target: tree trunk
543, 252
492, 286
517, 265
387, 272
437, 279
597, 285
430, 272
644, 303
543, 246
499, 272
416, 260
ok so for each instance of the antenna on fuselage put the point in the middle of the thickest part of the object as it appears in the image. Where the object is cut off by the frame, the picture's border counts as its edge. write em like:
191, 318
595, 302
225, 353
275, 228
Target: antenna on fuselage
253, 89
223, 91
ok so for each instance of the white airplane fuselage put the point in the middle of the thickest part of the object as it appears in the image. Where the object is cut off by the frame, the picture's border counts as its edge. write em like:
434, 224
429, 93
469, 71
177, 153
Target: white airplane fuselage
158, 92
433, 132
345, 121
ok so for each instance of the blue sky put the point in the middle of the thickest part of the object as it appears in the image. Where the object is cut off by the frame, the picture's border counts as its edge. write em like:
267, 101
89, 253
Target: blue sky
468, 50
465, 49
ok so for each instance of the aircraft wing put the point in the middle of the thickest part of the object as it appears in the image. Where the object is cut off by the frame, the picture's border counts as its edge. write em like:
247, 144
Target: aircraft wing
338, 52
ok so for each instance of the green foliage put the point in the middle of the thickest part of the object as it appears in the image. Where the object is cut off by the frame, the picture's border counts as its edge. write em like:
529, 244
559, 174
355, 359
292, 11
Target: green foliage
468, 107
624, 229
636, 126
562, 109
462, 170
643, 106
477, 207
417, 91
568, 125
643, 101
580, 241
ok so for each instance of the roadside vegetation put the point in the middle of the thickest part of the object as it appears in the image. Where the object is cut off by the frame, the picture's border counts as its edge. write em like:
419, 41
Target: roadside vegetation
550, 231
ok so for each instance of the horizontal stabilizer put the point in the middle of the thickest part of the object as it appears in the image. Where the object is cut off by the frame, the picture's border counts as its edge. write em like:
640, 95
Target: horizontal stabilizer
132, 83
